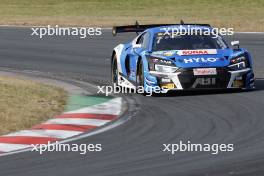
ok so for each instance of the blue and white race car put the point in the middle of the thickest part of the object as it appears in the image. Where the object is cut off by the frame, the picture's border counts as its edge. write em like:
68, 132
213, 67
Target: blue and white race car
160, 59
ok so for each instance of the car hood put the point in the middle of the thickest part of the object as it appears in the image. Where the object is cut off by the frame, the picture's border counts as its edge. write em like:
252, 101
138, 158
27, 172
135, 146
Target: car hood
198, 58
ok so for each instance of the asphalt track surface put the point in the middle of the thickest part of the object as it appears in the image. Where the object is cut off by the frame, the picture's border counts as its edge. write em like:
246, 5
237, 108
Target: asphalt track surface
135, 148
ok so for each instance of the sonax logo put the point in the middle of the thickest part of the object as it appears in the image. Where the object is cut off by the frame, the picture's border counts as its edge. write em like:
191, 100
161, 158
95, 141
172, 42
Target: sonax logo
192, 52
196, 52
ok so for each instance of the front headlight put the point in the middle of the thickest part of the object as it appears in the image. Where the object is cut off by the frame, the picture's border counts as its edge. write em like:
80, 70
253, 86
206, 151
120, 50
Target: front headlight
238, 59
165, 68
161, 65
238, 63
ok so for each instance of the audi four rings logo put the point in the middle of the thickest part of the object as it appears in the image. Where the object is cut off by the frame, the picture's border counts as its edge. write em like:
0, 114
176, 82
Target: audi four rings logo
203, 60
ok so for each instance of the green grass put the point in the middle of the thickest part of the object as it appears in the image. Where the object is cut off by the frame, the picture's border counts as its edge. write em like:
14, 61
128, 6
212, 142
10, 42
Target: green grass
26, 103
243, 15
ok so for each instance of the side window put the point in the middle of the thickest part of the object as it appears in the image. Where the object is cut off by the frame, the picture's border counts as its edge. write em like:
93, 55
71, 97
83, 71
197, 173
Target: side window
145, 43
144, 40
140, 39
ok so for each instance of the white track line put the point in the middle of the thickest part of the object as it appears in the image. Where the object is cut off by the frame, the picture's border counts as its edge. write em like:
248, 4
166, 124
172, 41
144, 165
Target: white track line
45, 133
113, 107
77, 121
5, 147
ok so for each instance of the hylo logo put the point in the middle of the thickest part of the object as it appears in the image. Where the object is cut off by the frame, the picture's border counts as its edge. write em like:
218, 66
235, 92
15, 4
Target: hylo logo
191, 60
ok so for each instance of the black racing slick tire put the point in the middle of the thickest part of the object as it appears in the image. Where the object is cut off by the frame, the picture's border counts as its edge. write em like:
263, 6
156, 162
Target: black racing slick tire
114, 71
140, 76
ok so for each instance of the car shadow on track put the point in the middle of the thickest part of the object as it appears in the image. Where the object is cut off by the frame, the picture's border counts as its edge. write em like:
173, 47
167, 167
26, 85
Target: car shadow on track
259, 83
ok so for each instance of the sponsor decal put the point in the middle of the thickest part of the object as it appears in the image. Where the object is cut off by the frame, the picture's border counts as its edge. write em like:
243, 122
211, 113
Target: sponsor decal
165, 53
204, 71
165, 80
158, 52
161, 61
169, 53
203, 60
196, 52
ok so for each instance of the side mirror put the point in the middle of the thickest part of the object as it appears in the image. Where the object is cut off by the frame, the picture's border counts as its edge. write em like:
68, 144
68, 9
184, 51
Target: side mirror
235, 43
136, 48
135, 45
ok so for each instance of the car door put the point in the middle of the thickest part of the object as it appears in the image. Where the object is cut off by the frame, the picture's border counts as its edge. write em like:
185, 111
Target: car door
139, 44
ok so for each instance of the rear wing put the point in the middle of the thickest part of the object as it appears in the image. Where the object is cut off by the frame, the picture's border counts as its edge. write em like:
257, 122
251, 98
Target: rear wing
140, 28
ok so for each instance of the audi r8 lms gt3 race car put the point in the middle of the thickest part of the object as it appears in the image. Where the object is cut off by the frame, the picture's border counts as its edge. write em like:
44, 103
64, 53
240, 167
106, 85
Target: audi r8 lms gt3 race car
157, 58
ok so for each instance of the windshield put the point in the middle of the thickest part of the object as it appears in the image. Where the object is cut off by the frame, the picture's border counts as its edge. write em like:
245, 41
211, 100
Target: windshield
187, 42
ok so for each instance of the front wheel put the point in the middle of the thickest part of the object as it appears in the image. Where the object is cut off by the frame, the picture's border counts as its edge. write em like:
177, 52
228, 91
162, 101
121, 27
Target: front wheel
114, 72
140, 74
141, 78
